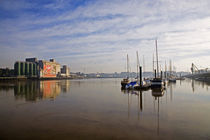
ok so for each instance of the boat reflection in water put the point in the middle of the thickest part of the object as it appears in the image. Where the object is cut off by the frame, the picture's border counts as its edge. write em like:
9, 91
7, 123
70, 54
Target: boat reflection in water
97, 109
36, 90
158, 92
138, 94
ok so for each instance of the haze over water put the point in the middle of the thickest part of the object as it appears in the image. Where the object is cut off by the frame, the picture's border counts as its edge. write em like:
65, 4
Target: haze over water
99, 109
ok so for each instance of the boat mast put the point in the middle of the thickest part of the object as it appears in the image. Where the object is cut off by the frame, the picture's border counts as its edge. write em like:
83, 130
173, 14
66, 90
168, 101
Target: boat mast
153, 63
165, 69
170, 68
157, 58
137, 55
143, 65
127, 65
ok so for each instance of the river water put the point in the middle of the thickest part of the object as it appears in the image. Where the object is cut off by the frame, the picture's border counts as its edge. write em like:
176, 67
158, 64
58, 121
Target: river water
99, 109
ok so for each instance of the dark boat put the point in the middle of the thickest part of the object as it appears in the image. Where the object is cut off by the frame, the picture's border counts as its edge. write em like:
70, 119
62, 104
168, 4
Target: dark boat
124, 82
158, 92
157, 83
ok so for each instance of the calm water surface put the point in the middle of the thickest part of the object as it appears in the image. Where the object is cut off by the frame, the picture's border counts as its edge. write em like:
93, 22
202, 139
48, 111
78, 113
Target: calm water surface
99, 109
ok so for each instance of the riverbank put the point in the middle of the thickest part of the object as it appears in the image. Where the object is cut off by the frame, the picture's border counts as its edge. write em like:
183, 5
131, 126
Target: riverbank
31, 78
12, 78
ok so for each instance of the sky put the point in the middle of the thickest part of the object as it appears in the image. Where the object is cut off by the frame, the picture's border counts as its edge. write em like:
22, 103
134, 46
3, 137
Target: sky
96, 35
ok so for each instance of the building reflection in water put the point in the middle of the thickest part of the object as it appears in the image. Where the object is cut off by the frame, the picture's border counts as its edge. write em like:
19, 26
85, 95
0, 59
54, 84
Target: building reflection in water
65, 86
36, 90
50, 89
6, 86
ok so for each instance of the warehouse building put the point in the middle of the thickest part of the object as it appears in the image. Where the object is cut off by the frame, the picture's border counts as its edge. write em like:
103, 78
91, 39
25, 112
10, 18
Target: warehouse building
65, 71
25, 69
48, 69
32, 67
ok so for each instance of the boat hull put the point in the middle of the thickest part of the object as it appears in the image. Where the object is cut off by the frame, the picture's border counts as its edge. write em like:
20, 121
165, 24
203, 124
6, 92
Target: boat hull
123, 84
172, 80
157, 83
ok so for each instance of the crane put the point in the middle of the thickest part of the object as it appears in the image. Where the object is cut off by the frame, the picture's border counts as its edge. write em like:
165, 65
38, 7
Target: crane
194, 68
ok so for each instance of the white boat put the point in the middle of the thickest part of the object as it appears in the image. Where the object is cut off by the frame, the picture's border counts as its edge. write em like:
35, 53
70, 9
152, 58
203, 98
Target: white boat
165, 81
143, 85
172, 79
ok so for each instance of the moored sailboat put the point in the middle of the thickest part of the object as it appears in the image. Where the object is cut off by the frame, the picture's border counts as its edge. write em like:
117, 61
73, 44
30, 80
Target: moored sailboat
141, 83
126, 80
171, 78
157, 82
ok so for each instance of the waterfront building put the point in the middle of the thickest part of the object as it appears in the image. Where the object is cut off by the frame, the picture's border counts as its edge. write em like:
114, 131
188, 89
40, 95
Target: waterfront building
25, 69
48, 69
65, 71
31, 67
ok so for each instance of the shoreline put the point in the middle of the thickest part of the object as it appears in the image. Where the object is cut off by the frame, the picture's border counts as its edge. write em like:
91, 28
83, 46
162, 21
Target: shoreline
32, 78
47, 78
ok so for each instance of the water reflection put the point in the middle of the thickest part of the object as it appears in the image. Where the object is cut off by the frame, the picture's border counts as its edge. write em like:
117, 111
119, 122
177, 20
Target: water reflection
171, 91
36, 90
30, 91
197, 84
156, 94
193, 86
6, 86
99, 104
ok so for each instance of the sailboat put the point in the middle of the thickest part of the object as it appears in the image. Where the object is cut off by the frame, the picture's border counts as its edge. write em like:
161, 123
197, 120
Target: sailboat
165, 79
126, 80
157, 82
135, 84
141, 83
171, 78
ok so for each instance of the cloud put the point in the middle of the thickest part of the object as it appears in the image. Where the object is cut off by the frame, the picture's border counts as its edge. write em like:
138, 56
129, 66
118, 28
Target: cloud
9, 5
100, 33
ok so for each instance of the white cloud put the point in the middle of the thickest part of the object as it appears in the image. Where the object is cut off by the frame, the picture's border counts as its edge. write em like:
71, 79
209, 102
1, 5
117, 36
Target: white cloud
99, 34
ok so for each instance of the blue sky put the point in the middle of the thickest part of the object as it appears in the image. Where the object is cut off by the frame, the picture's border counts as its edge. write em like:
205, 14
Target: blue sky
96, 35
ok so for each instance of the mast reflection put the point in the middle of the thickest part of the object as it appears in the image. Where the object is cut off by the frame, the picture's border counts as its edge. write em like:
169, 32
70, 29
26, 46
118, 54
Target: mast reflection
140, 100
157, 93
